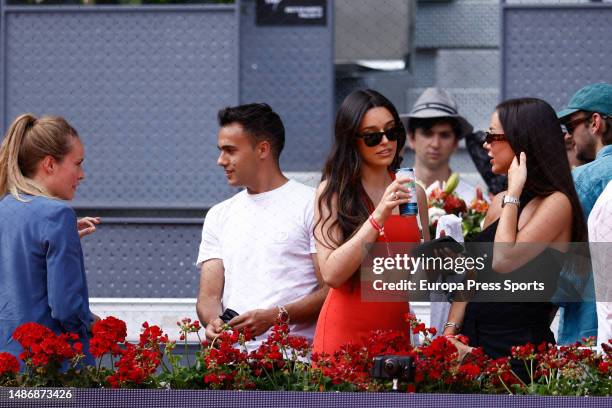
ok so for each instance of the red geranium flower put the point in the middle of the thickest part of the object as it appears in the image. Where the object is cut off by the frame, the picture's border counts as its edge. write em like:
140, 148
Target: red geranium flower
107, 334
41, 346
8, 364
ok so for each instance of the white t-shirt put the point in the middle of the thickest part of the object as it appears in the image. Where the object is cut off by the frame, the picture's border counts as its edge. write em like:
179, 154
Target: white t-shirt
265, 242
600, 236
466, 191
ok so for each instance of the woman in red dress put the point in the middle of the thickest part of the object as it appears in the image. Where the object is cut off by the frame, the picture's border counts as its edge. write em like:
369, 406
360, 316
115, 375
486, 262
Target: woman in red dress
359, 196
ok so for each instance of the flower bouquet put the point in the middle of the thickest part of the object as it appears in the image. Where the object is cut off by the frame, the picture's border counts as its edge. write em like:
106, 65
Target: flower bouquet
443, 200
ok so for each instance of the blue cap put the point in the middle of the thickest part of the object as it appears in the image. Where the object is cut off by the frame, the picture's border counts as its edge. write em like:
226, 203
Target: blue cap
591, 98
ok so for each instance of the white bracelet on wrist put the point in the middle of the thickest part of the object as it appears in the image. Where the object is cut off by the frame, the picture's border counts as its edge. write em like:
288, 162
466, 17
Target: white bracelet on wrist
510, 200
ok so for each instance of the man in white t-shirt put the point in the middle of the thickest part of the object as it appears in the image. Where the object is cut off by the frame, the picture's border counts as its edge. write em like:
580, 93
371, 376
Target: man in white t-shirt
257, 255
600, 238
434, 129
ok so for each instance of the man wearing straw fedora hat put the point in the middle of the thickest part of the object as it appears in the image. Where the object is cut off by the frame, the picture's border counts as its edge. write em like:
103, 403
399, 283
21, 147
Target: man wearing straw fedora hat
434, 129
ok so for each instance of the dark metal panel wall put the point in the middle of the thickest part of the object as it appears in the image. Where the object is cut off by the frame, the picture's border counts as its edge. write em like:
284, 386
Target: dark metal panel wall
142, 88
458, 24
552, 51
291, 68
143, 259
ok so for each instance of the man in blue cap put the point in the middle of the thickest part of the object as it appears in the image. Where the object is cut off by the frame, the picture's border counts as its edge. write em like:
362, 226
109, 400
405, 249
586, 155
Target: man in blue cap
588, 119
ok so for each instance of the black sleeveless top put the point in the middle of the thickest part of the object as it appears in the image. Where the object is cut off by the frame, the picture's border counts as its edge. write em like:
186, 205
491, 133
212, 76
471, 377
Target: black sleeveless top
498, 326
533, 308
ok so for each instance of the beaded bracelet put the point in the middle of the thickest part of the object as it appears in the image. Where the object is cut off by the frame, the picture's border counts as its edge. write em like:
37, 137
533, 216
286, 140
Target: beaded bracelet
377, 226
381, 232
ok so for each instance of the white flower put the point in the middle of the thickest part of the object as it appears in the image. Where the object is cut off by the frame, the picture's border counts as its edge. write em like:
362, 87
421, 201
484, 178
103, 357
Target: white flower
432, 187
434, 214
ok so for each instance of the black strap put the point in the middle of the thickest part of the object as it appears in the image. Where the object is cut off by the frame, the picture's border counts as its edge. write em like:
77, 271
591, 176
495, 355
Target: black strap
439, 106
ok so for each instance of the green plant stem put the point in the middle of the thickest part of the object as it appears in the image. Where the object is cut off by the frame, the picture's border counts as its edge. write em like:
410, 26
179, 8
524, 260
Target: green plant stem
549, 379
519, 378
164, 366
285, 355
187, 353
588, 373
270, 377
529, 371
299, 379
505, 386
212, 343
98, 368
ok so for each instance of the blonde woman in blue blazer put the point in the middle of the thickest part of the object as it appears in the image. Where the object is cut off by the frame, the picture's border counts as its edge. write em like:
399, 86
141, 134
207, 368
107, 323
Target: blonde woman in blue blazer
42, 274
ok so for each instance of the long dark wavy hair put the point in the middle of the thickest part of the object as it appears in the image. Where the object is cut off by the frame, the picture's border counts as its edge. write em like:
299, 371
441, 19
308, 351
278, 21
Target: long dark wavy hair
531, 126
342, 171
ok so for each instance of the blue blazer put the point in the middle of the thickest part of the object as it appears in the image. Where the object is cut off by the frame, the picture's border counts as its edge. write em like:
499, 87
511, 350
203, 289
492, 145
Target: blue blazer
42, 273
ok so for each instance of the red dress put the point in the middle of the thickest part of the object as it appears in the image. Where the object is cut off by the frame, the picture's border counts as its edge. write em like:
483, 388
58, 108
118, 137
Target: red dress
344, 318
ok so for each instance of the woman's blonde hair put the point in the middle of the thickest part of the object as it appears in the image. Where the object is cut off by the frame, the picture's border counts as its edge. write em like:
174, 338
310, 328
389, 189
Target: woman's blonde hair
26, 143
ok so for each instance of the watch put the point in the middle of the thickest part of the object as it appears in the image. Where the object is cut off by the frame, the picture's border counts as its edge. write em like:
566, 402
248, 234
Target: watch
452, 324
283, 314
510, 200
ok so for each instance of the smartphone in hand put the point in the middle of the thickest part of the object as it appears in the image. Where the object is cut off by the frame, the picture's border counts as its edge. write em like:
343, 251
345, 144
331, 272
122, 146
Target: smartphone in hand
228, 314
446, 242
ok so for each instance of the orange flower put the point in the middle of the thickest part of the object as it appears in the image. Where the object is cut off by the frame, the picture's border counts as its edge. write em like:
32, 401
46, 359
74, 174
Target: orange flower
480, 206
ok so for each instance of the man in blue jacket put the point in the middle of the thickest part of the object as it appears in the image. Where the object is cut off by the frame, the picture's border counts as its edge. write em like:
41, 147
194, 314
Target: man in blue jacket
588, 119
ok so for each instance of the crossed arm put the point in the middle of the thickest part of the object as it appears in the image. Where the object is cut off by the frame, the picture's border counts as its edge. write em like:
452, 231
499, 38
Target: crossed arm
257, 321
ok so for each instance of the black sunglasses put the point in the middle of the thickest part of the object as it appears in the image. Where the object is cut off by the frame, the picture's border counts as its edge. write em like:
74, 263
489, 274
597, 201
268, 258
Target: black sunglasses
494, 137
372, 139
571, 126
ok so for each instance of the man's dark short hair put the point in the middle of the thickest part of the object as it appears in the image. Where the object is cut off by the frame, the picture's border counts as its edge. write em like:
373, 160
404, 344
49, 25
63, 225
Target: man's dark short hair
427, 123
259, 121
606, 137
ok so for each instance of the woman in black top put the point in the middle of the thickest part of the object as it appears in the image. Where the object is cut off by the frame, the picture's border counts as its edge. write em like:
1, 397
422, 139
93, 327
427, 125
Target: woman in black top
539, 217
